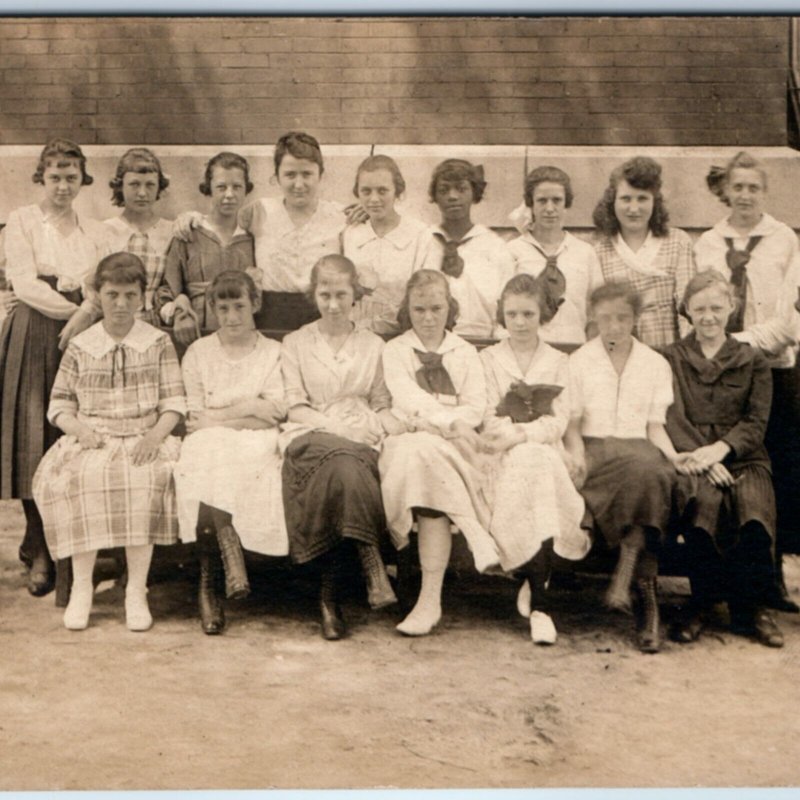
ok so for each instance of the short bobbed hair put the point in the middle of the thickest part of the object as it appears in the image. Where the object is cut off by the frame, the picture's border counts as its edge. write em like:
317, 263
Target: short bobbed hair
122, 269
547, 175
300, 145
142, 161
718, 178
705, 280
62, 153
617, 290
640, 172
527, 285
233, 284
455, 170
226, 160
374, 163
418, 280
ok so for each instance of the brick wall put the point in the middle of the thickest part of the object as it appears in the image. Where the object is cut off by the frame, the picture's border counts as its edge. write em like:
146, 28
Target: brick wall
535, 81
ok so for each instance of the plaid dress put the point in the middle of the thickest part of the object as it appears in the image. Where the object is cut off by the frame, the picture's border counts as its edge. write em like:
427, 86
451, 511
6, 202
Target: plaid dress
660, 285
93, 499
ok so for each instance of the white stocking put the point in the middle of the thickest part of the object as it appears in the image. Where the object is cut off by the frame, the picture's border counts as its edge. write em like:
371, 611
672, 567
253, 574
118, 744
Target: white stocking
76, 614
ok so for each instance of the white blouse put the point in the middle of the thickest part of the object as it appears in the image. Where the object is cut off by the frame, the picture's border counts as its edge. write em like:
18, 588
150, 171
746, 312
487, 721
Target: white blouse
771, 322
618, 405
488, 266
463, 364
548, 366
580, 265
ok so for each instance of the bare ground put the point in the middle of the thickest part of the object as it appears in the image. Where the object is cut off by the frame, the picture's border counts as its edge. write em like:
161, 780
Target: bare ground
270, 704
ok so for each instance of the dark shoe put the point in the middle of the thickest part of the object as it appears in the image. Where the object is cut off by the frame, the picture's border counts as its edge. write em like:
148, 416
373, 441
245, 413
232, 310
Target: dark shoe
237, 587
618, 596
209, 602
333, 626
41, 576
689, 627
379, 591
648, 637
765, 630
778, 596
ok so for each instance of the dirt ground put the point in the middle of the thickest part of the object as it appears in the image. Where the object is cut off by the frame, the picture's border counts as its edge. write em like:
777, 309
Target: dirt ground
270, 704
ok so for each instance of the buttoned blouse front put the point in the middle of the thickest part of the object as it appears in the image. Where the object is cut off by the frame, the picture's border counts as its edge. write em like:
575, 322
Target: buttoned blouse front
385, 264
773, 275
609, 404
548, 366
286, 252
462, 362
488, 265
580, 265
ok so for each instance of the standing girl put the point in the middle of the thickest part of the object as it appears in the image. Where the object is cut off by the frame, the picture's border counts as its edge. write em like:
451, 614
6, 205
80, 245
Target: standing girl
636, 245
385, 250
338, 414
477, 261
50, 254
108, 482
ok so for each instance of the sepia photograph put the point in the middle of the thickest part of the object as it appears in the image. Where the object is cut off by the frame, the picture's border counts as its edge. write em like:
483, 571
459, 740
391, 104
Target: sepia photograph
399, 402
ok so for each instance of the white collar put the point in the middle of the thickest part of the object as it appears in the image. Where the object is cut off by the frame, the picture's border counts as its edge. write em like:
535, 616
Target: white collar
528, 236
641, 261
505, 356
766, 225
450, 342
400, 237
206, 226
475, 230
97, 342
280, 223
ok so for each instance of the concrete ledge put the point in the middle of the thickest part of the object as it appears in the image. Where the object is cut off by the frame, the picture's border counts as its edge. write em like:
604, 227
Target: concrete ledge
690, 203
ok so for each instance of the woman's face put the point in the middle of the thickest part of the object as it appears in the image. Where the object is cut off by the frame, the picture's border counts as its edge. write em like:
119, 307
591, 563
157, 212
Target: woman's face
299, 181
334, 295
120, 302
745, 191
549, 206
228, 190
234, 314
428, 309
521, 314
709, 311
376, 192
615, 320
62, 184
454, 198
633, 208
139, 190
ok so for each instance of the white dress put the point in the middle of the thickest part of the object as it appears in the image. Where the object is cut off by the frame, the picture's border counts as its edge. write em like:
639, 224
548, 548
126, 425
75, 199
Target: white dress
238, 471
426, 470
530, 492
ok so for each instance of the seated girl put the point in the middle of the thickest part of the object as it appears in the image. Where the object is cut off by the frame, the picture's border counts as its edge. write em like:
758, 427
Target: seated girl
723, 390
228, 479
620, 391
215, 245
476, 260
536, 509
430, 471
136, 187
384, 250
338, 413
108, 483
568, 264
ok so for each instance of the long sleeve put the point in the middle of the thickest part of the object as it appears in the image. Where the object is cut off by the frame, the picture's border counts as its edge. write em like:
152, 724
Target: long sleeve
63, 397
296, 393
22, 272
379, 395
683, 434
171, 394
193, 381
273, 389
505, 265
684, 271
748, 433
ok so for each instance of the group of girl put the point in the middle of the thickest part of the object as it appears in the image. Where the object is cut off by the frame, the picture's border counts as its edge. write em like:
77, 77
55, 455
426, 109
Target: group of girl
323, 443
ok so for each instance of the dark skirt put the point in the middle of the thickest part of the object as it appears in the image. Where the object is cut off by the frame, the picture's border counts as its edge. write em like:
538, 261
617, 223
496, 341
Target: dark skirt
783, 445
723, 513
29, 359
629, 483
331, 491
284, 311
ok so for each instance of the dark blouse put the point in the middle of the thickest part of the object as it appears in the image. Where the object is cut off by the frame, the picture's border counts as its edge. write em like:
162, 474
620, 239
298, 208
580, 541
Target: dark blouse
724, 398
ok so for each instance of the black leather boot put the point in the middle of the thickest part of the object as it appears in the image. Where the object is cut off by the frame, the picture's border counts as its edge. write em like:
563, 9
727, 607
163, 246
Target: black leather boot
212, 614
237, 586
618, 595
379, 591
648, 636
333, 626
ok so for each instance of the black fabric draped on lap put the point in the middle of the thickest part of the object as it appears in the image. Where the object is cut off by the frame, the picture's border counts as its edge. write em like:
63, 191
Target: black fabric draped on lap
629, 482
29, 359
331, 491
285, 311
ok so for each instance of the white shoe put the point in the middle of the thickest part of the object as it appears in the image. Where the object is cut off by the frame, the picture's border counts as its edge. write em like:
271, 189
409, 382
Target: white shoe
543, 631
76, 614
418, 623
524, 599
137, 612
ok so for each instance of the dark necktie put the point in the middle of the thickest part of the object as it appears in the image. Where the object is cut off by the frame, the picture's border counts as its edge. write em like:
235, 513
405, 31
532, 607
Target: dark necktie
452, 263
525, 402
737, 261
432, 376
555, 285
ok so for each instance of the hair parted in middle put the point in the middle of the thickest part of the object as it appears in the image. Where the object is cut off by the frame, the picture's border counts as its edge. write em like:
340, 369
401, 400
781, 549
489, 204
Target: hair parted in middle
142, 161
525, 284
456, 170
226, 160
418, 280
339, 264
373, 163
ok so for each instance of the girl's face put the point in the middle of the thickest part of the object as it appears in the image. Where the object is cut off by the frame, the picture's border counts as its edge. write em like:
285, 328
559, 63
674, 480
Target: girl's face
428, 309
334, 295
615, 320
234, 314
745, 191
62, 184
633, 208
228, 190
521, 314
120, 302
454, 198
377, 193
549, 205
709, 311
299, 181
139, 190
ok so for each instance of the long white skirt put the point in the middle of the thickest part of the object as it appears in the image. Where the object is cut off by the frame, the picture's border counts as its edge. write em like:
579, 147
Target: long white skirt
532, 499
238, 471
424, 470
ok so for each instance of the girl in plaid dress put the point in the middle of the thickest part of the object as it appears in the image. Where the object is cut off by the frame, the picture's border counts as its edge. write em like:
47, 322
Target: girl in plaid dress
636, 245
108, 483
